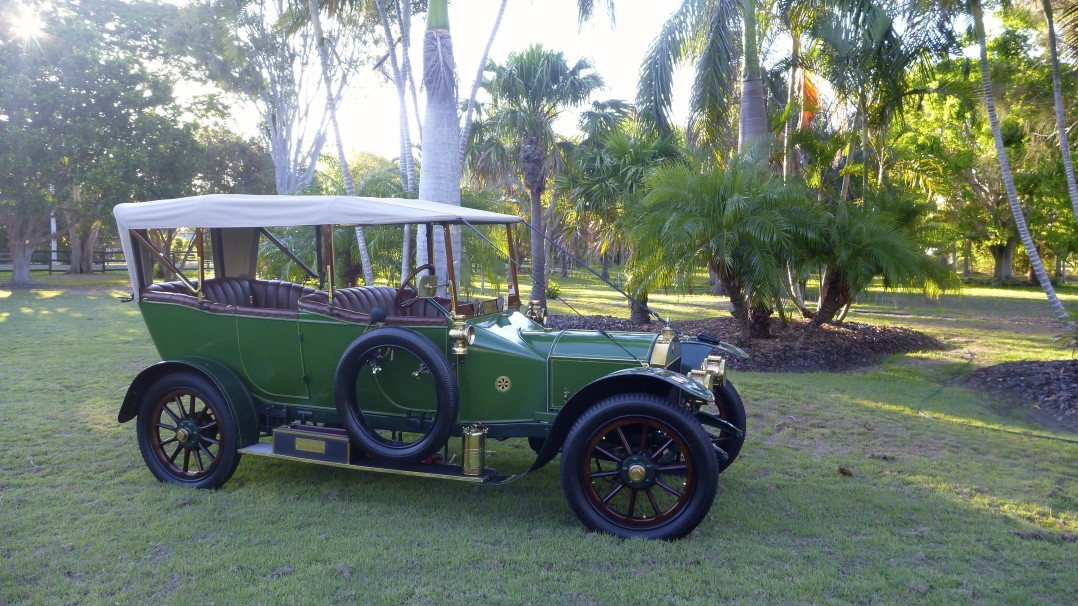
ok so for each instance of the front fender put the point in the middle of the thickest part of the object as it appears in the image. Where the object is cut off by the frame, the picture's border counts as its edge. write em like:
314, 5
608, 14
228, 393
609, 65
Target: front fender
658, 381
236, 396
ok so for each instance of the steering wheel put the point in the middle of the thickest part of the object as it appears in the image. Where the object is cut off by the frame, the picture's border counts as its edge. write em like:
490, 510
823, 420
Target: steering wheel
408, 282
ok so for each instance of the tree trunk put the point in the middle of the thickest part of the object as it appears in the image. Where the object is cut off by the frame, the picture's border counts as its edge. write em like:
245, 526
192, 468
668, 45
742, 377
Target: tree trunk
1061, 126
841, 317
739, 308
406, 161
792, 284
440, 179
760, 320
538, 250
1005, 169
466, 131
331, 108
834, 295
637, 314
789, 165
606, 265
532, 158
718, 289
404, 18
1003, 259
753, 129
83, 236
23, 234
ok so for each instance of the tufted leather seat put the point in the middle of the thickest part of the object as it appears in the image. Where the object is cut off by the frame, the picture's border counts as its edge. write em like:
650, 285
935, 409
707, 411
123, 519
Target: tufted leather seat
169, 292
269, 298
355, 305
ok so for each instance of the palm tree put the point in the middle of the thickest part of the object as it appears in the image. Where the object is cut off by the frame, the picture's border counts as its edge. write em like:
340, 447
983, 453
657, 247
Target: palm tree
439, 181
1057, 87
527, 94
864, 241
742, 222
1005, 167
605, 177
701, 31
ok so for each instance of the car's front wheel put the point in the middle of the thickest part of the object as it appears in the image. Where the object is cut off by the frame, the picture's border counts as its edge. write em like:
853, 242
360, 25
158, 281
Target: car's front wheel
731, 410
635, 466
186, 432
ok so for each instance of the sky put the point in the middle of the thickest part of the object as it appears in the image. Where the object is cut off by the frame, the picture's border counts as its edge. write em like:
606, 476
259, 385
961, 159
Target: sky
369, 115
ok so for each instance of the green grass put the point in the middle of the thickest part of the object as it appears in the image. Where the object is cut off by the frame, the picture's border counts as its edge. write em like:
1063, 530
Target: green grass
961, 501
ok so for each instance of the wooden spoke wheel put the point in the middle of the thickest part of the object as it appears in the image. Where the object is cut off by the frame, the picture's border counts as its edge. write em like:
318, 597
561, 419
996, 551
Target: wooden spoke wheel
186, 432
635, 466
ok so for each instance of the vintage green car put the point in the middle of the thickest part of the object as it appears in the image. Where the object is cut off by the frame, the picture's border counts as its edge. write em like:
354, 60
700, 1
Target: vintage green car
413, 379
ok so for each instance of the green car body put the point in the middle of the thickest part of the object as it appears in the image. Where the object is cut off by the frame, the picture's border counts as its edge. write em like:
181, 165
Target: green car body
281, 369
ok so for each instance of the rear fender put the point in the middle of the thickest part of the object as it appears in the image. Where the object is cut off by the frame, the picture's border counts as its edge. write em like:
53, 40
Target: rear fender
236, 396
656, 381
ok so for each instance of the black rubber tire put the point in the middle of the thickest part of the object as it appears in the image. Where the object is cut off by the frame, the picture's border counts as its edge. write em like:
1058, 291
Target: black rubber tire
189, 402
650, 424
731, 410
351, 411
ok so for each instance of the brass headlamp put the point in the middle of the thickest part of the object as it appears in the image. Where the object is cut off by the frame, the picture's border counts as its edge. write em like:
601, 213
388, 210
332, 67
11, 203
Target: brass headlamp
712, 372
462, 334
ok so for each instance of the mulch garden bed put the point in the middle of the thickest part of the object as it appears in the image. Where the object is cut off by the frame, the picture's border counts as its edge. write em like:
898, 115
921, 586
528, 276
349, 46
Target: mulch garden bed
1051, 386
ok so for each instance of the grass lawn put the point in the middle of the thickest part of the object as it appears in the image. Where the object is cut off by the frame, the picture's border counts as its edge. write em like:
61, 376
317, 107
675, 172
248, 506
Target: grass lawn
953, 497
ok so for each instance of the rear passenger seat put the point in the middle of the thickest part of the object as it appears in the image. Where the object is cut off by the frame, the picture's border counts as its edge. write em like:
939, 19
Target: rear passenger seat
268, 298
355, 305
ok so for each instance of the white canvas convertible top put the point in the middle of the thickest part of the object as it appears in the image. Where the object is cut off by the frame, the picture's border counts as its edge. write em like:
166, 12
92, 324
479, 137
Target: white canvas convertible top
237, 210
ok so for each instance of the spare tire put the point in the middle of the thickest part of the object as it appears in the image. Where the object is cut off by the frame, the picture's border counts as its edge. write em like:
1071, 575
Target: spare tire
430, 434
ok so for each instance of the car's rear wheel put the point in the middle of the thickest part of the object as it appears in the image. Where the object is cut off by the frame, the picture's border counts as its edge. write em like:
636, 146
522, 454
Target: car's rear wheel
186, 432
635, 466
369, 365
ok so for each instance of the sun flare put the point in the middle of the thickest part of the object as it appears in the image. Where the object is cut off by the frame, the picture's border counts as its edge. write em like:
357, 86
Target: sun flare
26, 23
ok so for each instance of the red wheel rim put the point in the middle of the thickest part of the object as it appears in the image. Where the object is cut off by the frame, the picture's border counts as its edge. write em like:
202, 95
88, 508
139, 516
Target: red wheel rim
184, 434
639, 471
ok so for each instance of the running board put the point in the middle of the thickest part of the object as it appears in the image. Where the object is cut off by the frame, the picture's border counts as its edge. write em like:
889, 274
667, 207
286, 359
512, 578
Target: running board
423, 470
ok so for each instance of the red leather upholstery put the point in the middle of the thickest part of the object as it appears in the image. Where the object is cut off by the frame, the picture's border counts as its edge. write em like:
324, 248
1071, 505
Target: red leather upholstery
274, 294
169, 292
229, 291
355, 305
266, 298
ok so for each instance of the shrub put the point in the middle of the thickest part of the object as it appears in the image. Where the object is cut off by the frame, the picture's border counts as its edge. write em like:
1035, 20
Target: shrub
553, 289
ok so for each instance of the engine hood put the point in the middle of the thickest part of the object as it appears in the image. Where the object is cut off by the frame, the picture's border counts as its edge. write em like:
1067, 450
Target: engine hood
594, 345
514, 331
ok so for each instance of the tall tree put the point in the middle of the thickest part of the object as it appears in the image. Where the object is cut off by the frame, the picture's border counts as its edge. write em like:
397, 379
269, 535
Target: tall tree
976, 11
331, 109
741, 222
701, 32
119, 138
527, 94
439, 180
247, 52
1057, 89
605, 177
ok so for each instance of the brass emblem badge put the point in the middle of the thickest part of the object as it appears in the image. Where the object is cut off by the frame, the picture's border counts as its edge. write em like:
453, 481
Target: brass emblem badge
502, 383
